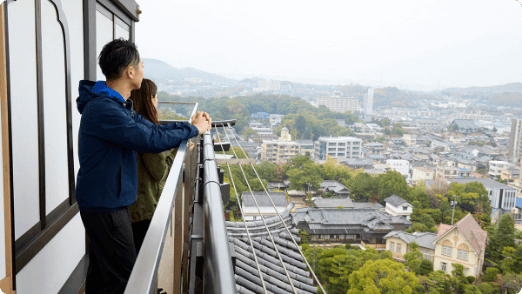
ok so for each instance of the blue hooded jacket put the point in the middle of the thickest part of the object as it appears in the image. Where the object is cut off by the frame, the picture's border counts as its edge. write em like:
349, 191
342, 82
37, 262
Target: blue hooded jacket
110, 133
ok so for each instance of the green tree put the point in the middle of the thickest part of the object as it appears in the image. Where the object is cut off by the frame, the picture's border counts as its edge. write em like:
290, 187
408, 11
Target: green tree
248, 133
512, 282
397, 129
512, 260
458, 273
439, 282
363, 187
413, 259
304, 236
385, 122
426, 267
390, 183
382, 276
503, 236
491, 274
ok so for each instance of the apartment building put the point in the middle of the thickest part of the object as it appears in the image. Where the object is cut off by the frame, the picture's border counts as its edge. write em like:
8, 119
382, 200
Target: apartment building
496, 167
337, 147
399, 165
410, 139
276, 119
420, 173
368, 102
279, 151
337, 103
306, 148
515, 140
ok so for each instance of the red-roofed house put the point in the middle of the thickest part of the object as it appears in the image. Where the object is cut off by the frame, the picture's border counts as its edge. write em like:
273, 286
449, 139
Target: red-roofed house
463, 243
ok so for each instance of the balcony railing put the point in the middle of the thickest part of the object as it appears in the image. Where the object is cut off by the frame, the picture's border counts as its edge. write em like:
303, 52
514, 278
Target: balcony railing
202, 261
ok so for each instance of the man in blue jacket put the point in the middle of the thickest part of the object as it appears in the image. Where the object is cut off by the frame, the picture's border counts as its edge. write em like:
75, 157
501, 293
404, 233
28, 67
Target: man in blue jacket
110, 133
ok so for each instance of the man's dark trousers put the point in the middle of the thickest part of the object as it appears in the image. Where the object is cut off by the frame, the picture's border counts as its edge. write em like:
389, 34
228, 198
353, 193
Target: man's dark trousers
112, 253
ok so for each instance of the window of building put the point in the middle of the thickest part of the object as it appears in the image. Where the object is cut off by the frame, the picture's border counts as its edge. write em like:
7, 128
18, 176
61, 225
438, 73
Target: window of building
405, 208
443, 266
392, 246
446, 250
334, 237
340, 154
319, 237
463, 254
398, 248
327, 236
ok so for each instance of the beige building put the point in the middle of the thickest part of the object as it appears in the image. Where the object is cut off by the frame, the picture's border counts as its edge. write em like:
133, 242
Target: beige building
281, 150
420, 173
410, 139
397, 243
463, 243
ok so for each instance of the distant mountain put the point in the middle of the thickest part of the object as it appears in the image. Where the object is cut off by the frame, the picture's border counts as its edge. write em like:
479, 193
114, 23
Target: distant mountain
160, 71
512, 87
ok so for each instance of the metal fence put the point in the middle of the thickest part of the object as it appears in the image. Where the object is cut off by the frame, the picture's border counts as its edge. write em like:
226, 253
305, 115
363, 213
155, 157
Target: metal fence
202, 261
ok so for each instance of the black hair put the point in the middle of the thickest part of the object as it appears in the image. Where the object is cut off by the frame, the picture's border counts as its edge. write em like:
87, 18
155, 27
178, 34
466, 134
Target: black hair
116, 56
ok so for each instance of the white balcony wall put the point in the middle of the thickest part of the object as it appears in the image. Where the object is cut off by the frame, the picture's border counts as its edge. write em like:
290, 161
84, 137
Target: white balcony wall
55, 120
24, 116
74, 8
47, 272
52, 266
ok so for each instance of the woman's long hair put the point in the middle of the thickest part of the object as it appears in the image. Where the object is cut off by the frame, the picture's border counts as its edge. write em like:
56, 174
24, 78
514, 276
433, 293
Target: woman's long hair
142, 100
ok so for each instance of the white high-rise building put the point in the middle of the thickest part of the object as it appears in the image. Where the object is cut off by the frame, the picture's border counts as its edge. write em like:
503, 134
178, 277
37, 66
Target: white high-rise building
515, 140
368, 102
337, 103
337, 147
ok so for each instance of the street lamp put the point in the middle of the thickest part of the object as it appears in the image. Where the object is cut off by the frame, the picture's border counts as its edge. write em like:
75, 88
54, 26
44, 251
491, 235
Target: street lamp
453, 203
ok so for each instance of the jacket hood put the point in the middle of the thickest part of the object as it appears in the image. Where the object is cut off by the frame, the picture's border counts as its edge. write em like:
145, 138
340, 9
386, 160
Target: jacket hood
87, 93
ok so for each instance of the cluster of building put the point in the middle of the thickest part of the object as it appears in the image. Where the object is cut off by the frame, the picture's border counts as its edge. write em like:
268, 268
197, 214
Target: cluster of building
338, 221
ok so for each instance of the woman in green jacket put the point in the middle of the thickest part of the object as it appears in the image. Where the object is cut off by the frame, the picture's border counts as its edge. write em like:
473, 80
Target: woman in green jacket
153, 169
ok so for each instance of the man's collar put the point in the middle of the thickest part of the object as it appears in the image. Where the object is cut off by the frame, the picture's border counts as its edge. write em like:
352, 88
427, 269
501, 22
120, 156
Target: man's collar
101, 86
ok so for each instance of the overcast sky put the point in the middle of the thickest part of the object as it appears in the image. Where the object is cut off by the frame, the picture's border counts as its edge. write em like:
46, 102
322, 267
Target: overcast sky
411, 44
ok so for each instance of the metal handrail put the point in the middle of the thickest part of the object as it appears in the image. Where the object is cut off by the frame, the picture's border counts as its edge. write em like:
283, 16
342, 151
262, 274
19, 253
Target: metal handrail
218, 271
145, 271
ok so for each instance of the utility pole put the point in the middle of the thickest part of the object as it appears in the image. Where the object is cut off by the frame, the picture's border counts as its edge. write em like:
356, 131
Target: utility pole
454, 203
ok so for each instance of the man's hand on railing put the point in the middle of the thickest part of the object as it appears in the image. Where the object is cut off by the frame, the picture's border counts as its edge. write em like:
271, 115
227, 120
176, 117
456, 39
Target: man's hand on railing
202, 121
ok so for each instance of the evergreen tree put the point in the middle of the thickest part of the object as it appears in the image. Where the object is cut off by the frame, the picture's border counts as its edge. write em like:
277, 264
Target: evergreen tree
426, 267
503, 236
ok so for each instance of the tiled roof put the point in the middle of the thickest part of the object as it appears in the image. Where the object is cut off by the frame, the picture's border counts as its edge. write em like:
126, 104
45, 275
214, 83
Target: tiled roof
334, 186
279, 199
365, 219
395, 200
424, 239
465, 123
321, 202
276, 281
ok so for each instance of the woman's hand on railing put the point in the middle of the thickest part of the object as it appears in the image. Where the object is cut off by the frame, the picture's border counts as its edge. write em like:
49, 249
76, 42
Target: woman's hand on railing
202, 121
